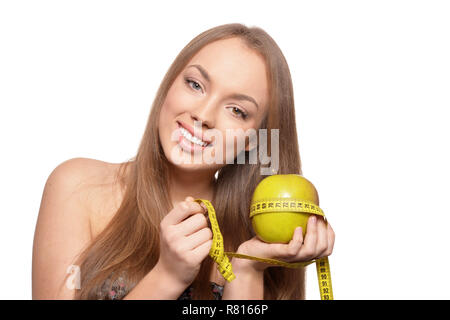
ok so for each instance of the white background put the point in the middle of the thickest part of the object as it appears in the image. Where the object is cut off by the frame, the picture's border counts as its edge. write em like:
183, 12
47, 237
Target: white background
371, 81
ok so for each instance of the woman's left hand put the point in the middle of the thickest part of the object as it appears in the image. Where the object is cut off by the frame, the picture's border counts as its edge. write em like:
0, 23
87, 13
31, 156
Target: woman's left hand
319, 243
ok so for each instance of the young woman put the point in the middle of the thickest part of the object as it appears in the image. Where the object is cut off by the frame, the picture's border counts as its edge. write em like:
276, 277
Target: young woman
133, 231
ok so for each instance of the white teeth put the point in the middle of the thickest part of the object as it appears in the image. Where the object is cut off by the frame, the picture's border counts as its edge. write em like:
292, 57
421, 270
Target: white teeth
189, 136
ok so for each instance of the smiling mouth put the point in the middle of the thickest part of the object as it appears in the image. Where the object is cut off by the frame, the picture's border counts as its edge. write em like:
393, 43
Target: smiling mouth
188, 132
190, 143
193, 139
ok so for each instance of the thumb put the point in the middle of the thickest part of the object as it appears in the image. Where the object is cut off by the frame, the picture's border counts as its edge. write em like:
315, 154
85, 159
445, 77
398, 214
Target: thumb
268, 250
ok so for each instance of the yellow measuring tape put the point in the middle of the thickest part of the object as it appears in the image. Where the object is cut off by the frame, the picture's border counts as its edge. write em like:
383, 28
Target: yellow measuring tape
220, 256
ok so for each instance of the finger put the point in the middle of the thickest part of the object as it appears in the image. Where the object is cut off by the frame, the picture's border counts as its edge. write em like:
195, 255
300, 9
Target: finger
181, 211
296, 243
198, 238
191, 225
202, 205
331, 238
322, 237
285, 251
309, 247
205, 210
202, 251
330, 242
263, 249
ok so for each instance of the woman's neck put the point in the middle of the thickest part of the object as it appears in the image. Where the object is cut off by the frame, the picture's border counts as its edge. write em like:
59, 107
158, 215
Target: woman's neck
197, 184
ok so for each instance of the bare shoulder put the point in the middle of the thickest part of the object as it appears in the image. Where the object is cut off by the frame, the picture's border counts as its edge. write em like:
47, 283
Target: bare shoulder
91, 180
67, 215
97, 186
83, 168
72, 179
102, 193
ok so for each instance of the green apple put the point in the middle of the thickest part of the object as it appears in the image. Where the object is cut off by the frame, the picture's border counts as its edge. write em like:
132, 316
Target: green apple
279, 226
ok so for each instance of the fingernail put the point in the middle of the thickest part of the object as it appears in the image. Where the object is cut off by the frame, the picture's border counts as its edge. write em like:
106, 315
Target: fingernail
313, 219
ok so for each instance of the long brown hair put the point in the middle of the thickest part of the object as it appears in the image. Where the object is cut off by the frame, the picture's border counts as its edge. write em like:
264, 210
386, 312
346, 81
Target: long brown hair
129, 245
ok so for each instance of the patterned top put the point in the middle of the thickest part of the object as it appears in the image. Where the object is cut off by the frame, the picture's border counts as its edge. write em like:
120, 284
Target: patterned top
217, 291
117, 290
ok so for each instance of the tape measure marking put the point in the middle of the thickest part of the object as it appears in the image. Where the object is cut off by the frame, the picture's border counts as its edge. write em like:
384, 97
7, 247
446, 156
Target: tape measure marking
285, 205
224, 266
217, 249
324, 277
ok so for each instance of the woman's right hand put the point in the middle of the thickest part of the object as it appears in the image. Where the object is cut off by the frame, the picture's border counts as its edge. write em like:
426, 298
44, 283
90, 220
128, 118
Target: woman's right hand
185, 241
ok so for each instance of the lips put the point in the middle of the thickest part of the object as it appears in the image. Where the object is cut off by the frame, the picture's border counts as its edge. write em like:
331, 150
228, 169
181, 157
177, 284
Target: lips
191, 131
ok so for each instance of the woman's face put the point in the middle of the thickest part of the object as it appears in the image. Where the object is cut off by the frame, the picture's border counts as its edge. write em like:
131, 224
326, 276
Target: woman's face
223, 88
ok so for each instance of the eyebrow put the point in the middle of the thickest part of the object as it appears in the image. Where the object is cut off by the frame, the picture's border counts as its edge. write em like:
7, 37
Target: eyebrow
237, 96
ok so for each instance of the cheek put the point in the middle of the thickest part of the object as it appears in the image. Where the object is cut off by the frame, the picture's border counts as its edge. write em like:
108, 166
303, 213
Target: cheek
177, 100
164, 118
166, 124
171, 108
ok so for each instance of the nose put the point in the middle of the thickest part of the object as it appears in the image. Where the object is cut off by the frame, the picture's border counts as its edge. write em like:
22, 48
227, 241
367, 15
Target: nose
205, 114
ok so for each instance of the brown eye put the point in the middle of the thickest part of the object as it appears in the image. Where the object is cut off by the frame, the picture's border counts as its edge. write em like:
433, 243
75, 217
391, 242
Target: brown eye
241, 113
